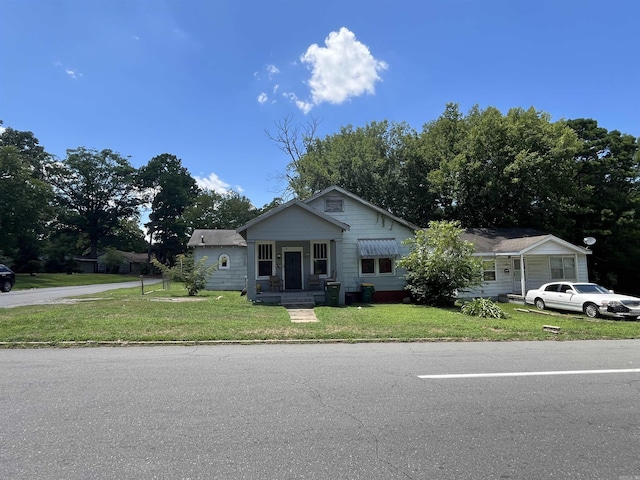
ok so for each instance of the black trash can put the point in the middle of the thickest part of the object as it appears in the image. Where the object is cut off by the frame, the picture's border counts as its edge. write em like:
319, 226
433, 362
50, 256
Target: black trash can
332, 294
367, 290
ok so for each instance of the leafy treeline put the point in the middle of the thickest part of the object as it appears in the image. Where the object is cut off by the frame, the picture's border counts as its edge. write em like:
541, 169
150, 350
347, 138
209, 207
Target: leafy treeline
53, 210
569, 178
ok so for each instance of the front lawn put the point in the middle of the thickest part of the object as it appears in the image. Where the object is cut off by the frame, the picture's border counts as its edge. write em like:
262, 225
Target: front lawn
24, 281
170, 315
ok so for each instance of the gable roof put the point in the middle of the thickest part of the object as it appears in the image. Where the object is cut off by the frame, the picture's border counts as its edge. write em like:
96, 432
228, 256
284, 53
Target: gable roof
335, 188
290, 204
512, 241
216, 238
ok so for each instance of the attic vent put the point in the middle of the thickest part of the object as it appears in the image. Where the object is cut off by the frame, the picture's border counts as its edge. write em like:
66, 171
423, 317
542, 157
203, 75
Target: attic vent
201, 238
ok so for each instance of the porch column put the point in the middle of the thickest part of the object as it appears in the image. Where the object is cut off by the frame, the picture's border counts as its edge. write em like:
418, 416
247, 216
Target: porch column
251, 270
339, 267
523, 281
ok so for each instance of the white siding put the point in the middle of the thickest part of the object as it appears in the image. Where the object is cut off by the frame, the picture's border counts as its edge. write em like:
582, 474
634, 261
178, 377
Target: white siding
365, 223
537, 272
232, 278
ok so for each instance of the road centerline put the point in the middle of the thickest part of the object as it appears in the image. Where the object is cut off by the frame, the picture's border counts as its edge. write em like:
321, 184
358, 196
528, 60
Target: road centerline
527, 374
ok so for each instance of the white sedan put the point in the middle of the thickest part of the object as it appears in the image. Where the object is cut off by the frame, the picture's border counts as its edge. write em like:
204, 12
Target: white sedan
590, 298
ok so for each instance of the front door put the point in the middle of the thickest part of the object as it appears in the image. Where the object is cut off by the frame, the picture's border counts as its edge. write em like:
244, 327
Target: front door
517, 276
293, 270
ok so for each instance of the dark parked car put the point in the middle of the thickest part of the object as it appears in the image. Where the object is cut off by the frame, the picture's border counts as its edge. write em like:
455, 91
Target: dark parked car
7, 278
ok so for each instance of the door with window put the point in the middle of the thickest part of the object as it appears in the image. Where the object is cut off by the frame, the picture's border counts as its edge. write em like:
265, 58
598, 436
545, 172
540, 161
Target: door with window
292, 266
517, 276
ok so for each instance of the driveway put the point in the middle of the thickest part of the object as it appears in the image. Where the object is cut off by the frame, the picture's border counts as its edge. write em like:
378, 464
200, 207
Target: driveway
40, 296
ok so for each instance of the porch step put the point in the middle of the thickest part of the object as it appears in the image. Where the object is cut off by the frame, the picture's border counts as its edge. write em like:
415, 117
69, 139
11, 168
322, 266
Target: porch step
298, 301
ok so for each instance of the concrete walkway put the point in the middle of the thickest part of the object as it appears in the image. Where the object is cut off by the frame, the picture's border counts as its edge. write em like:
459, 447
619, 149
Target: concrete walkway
302, 315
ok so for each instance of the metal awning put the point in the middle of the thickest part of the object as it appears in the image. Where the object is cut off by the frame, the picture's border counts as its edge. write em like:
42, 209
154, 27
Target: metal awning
378, 248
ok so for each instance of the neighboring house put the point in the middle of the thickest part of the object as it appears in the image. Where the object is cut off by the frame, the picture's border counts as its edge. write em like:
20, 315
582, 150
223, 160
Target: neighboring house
228, 251
132, 262
516, 260
333, 235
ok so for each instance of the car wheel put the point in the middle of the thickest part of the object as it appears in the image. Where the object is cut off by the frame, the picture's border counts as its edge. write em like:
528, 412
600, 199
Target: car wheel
539, 304
5, 286
591, 310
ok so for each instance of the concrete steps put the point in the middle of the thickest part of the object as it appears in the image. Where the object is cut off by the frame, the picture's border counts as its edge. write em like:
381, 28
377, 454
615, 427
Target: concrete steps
298, 300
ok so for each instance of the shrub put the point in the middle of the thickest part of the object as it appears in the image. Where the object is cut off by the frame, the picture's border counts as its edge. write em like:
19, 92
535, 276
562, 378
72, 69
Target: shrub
484, 308
440, 264
193, 274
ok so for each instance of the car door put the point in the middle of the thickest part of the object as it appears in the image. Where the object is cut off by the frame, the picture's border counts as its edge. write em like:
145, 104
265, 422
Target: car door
565, 296
550, 295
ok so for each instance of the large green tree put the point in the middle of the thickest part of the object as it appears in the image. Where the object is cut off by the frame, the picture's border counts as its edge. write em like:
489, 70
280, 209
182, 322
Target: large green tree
95, 191
219, 211
364, 160
608, 176
25, 208
169, 189
505, 170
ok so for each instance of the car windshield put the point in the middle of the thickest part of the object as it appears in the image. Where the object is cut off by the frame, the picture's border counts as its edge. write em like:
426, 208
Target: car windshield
590, 288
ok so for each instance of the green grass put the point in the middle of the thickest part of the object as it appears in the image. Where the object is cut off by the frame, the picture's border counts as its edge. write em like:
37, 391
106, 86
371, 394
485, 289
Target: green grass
170, 315
24, 281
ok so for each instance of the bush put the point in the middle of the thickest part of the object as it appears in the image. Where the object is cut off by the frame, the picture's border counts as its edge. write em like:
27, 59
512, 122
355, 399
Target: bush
484, 308
440, 264
193, 274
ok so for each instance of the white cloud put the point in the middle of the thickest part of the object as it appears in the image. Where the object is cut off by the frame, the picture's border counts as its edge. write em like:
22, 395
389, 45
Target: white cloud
72, 73
306, 107
272, 70
263, 97
214, 183
343, 69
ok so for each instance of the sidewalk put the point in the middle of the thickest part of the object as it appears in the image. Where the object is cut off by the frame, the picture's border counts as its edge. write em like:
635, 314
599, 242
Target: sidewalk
302, 315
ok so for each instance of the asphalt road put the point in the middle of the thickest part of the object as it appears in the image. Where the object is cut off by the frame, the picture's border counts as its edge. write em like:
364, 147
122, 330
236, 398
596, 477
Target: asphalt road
336, 411
40, 296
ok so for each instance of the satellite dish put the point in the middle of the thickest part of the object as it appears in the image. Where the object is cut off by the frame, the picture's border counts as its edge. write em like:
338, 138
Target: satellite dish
588, 241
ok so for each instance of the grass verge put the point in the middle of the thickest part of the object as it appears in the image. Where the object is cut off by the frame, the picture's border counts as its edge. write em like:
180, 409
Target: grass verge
170, 315
24, 281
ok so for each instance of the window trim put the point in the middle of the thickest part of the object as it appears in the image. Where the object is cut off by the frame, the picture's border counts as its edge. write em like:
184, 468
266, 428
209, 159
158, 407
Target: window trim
314, 258
221, 261
563, 259
258, 260
334, 204
376, 267
486, 270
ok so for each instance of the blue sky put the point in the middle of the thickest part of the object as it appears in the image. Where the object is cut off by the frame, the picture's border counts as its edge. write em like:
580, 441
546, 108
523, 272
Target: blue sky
203, 79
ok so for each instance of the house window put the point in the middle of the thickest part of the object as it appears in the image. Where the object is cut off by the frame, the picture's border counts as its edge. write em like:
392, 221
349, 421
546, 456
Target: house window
489, 270
562, 268
265, 260
377, 266
224, 263
320, 258
333, 205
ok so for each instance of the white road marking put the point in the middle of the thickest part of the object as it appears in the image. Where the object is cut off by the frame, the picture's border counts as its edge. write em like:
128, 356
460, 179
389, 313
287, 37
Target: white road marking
528, 374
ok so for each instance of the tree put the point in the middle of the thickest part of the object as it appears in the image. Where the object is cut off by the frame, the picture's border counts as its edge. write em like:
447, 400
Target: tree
440, 264
219, 211
169, 189
505, 170
293, 140
112, 258
608, 172
24, 206
95, 191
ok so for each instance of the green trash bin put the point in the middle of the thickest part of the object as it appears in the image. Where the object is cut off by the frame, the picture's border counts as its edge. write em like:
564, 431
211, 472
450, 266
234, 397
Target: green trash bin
367, 290
332, 294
